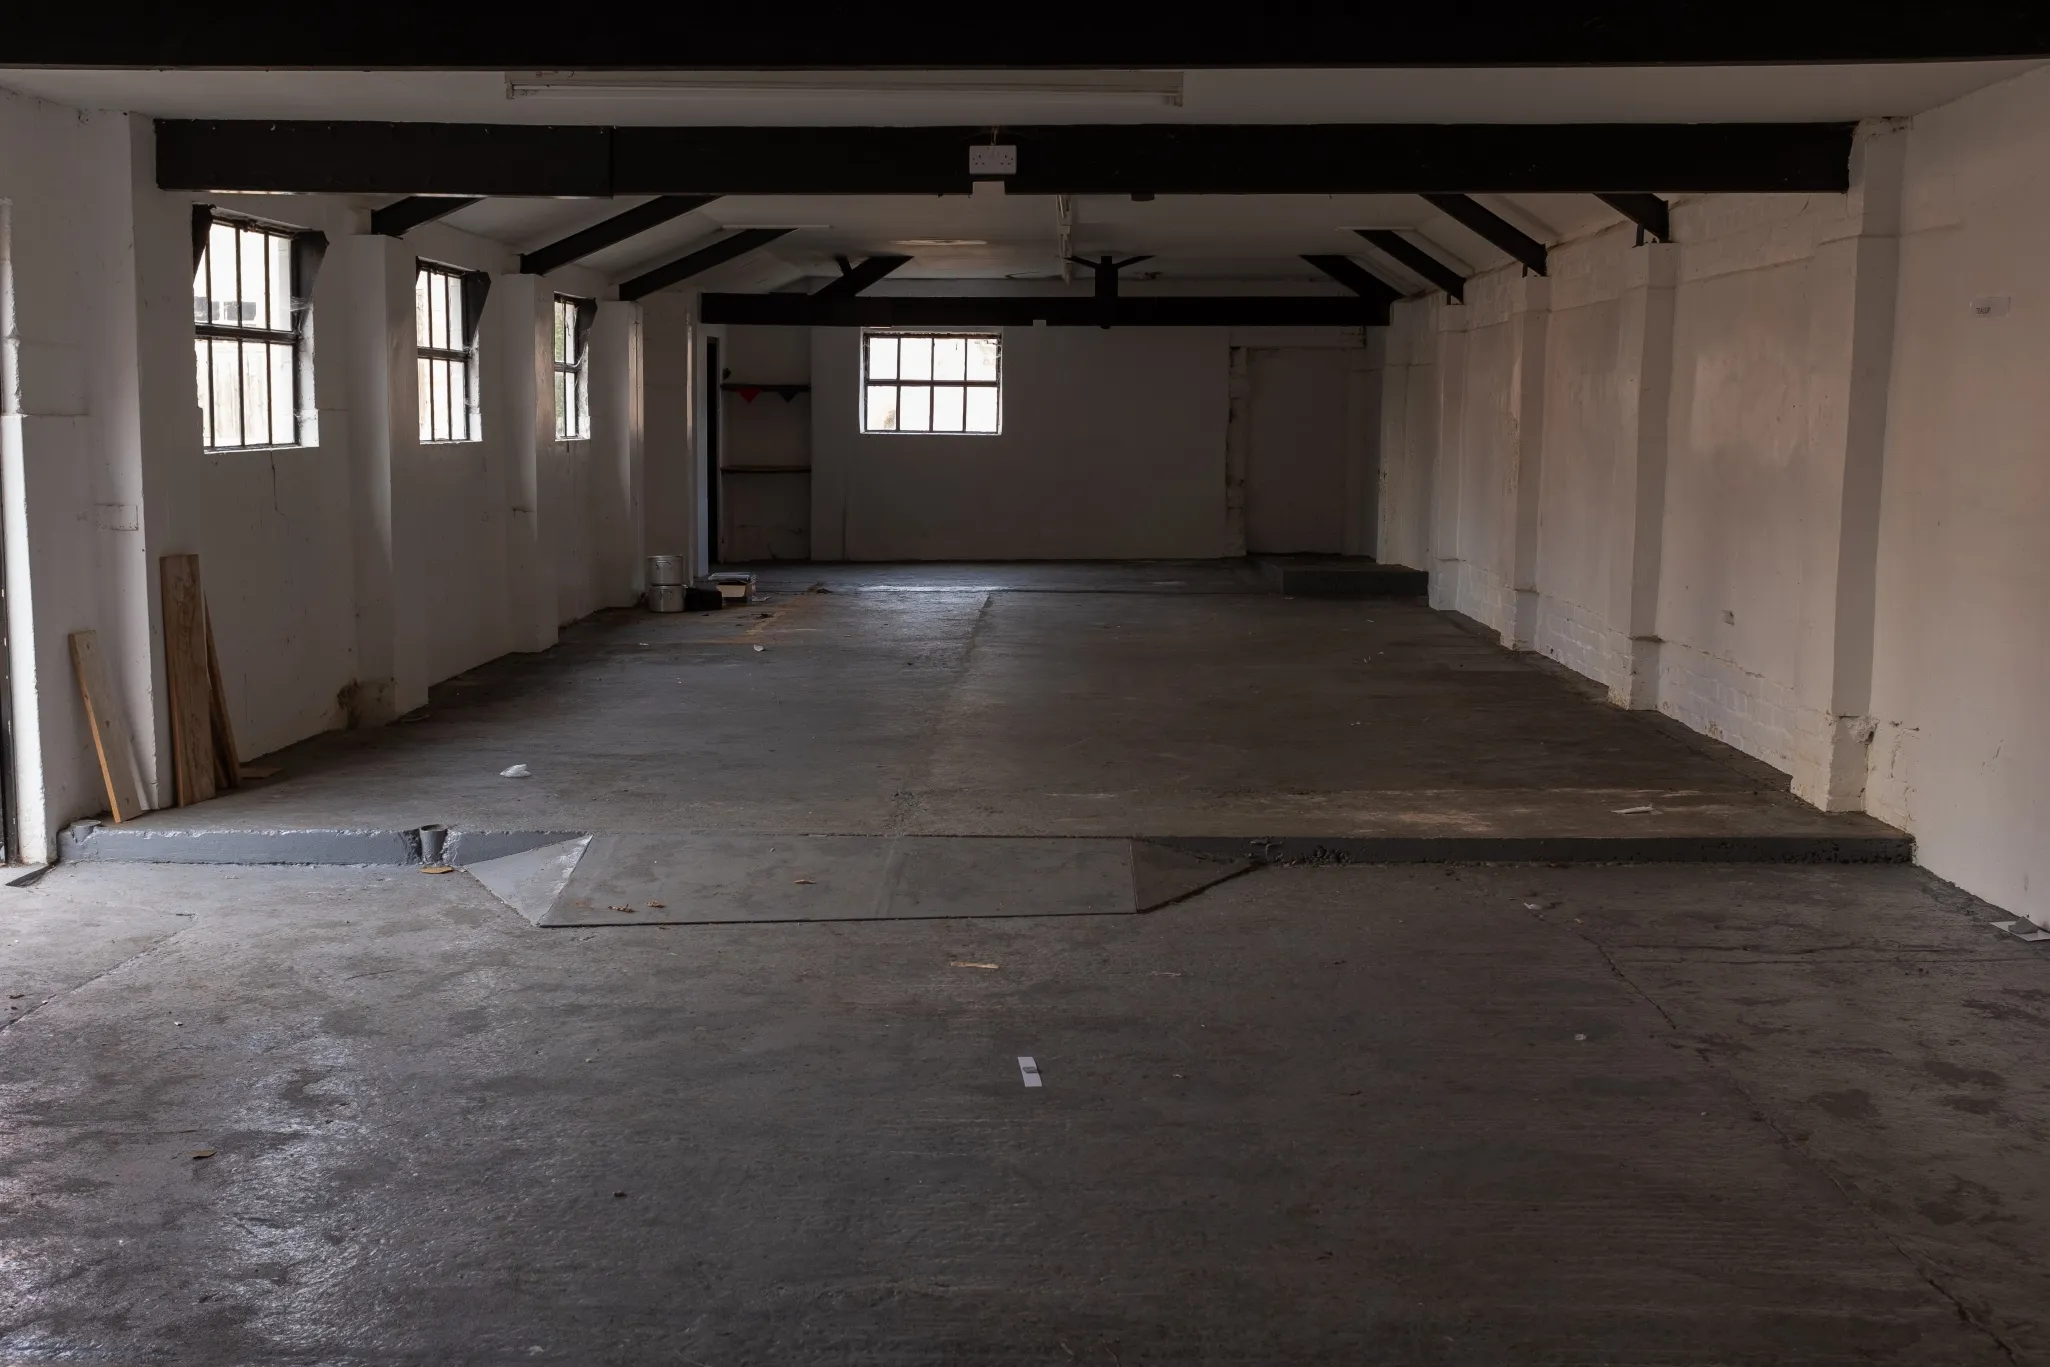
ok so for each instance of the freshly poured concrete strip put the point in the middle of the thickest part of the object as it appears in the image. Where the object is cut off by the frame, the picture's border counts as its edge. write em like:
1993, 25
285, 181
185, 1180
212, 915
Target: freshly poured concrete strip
700, 879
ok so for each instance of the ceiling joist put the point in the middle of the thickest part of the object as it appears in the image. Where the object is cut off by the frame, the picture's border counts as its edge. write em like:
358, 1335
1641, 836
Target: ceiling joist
1648, 212
283, 156
1426, 267
698, 262
855, 279
1485, 222
611, 232
1364, 283
400, 218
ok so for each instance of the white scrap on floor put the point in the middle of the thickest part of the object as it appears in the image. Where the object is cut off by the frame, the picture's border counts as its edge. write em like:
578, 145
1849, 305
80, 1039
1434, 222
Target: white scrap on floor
1646, 810
516, 771
1028, 1069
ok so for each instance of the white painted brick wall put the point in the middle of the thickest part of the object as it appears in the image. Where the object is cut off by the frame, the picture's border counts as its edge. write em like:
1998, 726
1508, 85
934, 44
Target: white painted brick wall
1579, 639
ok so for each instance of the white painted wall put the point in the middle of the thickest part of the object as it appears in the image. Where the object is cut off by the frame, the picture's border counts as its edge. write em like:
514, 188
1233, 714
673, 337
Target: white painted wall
1961, 754
344, 577
1113, 447
1777, 480
765, 446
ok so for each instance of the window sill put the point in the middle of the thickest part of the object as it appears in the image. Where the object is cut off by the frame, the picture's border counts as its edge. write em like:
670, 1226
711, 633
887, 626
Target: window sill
255, 450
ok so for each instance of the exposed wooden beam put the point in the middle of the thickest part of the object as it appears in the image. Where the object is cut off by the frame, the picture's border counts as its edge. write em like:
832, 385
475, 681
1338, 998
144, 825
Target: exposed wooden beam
855, 279
1648, 212
697, 262
400, 218
1428, 267
1165, 159
1495, 228
1360, 281
611, 232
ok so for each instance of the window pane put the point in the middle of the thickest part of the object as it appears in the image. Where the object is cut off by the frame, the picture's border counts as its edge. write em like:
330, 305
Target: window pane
946, 408
439, 416
426, 406
255, 395
206, 408
255, 276
982, 358
914, 408
437, 314
560, 354
882, 358
565, 416
420, 312
882, 408
227, 377
452, 311
202, 307
982, 410
280, 281
915, 357
283, 429
220, 255
947, 357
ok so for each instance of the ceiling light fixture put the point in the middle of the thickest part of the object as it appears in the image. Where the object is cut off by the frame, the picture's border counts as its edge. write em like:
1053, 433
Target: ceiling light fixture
1163, 87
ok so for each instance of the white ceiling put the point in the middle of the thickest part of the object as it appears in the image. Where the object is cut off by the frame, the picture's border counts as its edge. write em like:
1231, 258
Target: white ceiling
997, 236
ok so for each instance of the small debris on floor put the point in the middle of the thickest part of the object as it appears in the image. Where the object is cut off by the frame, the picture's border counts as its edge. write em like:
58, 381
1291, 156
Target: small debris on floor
198, 1154
761, 647
657, 906
804, 880
437, 868
1645, 810
963, 963
1028, 1068
617, 1195
628, 910
16, 996
1581, 1038
516, 771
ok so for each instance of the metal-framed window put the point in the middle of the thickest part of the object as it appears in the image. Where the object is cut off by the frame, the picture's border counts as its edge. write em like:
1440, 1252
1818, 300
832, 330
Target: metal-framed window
932, 382
248, 328
447, 304
572, 368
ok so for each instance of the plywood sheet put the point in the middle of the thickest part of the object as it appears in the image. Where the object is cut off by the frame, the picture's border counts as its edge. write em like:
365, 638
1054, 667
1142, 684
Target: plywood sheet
190, 687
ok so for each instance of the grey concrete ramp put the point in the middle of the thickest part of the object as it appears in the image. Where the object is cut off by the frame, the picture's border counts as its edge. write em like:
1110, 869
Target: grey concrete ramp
644, 879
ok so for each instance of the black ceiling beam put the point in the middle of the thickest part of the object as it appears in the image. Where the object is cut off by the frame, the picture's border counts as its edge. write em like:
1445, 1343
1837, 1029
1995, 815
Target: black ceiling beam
1360, 281
469, 35
1648, 212
855, 279
398, 219
1012, 310
699, 261
611, 232
1428, 267
1495, 228
1167, 159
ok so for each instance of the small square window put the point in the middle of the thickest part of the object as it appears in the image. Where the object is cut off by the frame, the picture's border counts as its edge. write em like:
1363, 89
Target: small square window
932, 382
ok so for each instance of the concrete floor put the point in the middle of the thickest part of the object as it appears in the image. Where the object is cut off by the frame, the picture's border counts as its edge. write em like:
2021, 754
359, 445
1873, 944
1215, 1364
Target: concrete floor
1170, 699
1467, 1114
1472, 1115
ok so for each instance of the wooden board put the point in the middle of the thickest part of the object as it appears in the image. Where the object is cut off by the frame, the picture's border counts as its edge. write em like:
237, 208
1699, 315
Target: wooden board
185, 673
227, 764
108, 719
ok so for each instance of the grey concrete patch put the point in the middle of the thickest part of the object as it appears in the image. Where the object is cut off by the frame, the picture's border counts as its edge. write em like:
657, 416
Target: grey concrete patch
132, 843
1162, 876
713, 879
529, 881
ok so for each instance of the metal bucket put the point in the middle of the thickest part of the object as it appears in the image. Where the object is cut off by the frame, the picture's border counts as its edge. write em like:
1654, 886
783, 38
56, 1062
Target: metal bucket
667, 570
665, 597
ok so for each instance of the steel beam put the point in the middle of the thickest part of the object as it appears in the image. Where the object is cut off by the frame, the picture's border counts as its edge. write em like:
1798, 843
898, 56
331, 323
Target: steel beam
1493, 227
400, 218
611, 232
1429, 267
1360, 281
870, 310
858, 278
1166, 159
1648, 212
697, 262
